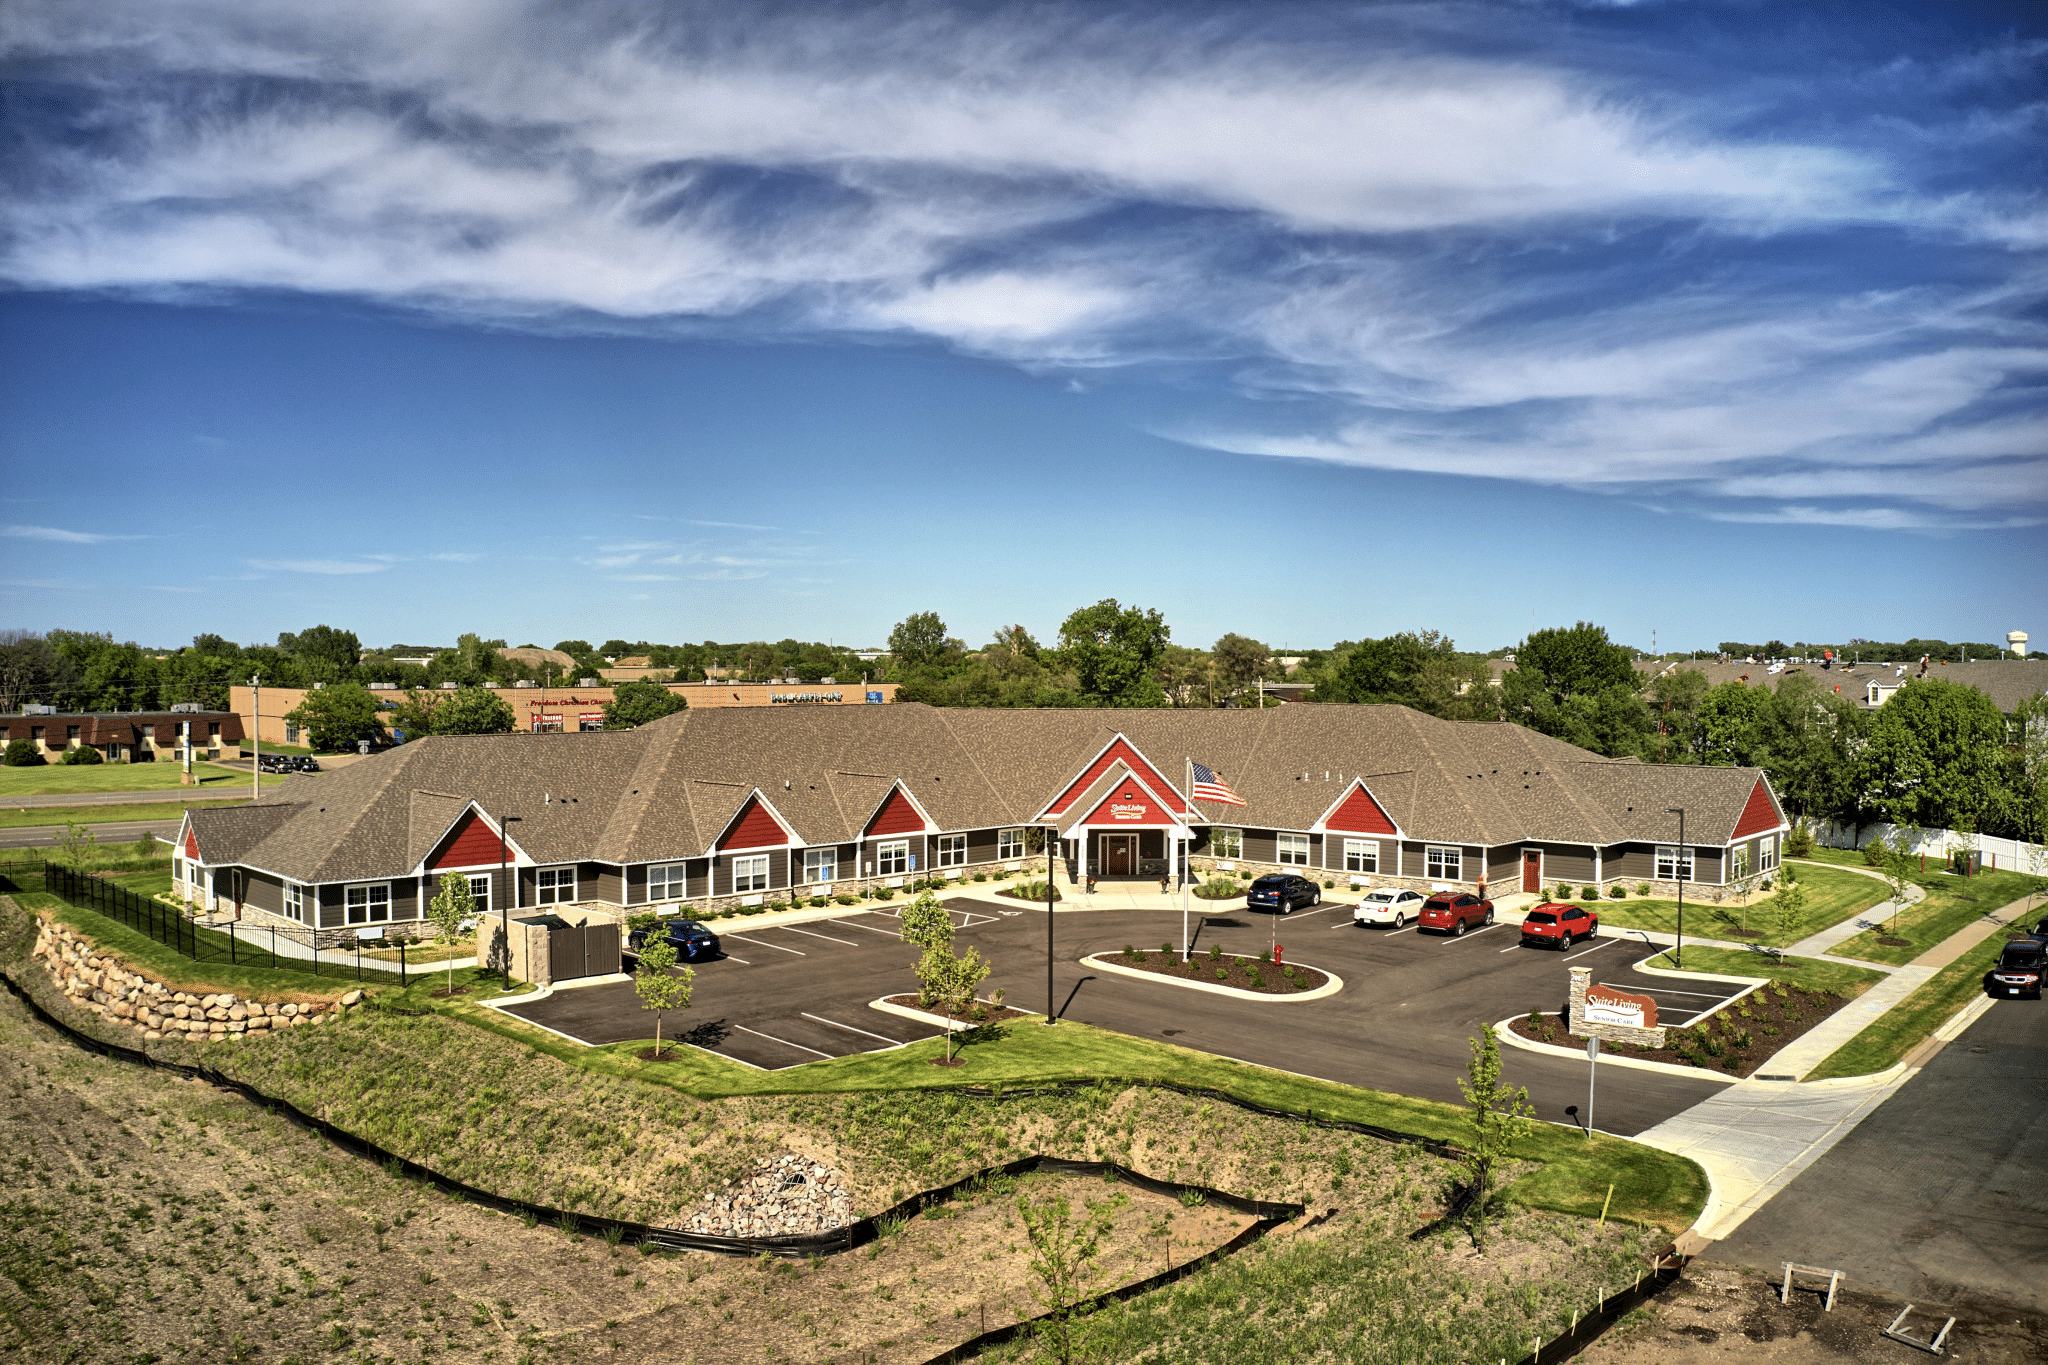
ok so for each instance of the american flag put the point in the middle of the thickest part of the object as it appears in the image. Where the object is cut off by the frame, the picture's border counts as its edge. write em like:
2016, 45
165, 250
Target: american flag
1209, 787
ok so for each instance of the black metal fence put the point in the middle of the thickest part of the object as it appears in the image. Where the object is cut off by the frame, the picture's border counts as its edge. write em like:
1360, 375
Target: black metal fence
239, 946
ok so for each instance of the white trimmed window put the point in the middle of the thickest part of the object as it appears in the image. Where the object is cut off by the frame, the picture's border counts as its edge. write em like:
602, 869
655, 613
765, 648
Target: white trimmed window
1361, 855
369, 904
557, 886
1009, 845
750, 874
667, 883
1738, 862
295, 902
1767, 853
1226, 843
893, 858
1291, 848
480, 891
821, 864
1444, 864
177, 871
951, 851
1671, 867
291, 733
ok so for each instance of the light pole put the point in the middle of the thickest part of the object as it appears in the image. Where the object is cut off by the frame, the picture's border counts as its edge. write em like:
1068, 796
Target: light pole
1052, 843
255, 736
504, 911
1682, 868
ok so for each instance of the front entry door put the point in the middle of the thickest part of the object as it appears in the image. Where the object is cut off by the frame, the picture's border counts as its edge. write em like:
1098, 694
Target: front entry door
1532, 870
1119, 855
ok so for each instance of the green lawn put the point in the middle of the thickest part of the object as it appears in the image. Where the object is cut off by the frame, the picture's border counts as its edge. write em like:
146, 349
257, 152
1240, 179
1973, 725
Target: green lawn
56, 779
1833, 977
1831, 897
33, 817
1907, 1024
1952, 903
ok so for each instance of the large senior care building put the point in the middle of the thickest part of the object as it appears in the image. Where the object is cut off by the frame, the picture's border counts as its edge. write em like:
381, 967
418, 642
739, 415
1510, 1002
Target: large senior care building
709, 808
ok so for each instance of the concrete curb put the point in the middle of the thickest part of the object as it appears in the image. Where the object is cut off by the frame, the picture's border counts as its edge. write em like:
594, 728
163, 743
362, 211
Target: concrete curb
1328, 988
1508, 1036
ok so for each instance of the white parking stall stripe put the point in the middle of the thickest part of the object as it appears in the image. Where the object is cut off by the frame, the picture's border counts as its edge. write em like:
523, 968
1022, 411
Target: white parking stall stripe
1594, 949
730, 958
1666, 990
764, 943
851, 1029
792, 929
1306, 913
1474, 933
848, 924
784, 1041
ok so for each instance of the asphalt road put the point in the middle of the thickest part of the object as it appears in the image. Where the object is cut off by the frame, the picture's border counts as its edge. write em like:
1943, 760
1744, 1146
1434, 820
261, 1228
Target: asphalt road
111, 832
1410, 1003
1939, 1196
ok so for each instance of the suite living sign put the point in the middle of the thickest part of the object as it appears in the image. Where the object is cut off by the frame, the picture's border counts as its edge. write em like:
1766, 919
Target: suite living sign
1127, 812
1608, 1006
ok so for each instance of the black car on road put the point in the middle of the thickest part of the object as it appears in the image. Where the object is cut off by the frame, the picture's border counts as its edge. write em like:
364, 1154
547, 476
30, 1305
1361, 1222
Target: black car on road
693, 942
1284, 892
2020, 968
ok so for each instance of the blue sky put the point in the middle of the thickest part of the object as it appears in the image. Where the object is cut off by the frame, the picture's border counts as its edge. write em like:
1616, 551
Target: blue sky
681, 322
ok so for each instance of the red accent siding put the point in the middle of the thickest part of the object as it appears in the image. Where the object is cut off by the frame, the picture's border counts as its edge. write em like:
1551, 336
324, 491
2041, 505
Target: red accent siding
756, 828
897, 816
471, 844
1129, 808
1360, 814
1760, 814
1118, 750
192, 846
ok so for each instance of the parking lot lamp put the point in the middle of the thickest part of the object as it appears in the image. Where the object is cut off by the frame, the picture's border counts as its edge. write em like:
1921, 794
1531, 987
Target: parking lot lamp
505, 911
1051, 826
1680, 869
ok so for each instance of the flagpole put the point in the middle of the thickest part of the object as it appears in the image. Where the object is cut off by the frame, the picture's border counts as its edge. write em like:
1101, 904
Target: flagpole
1188, 805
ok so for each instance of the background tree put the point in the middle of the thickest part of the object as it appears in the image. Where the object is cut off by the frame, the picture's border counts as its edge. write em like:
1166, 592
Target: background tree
1239, 662
640, 703
758, 660
472, 711
337, 717
1113, 650
1497, 1116
1185, 676
918, 641
451, 905
1575, 662
1788, 911
660, 987
327, 653
1933, 756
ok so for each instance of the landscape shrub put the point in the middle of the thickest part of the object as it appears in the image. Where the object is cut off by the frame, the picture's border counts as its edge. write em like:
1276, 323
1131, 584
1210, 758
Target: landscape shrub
847, 898
1218, 891
84, 756
1265, 955
1166, 949
1590, 893
645, 920
1329, 885
1642, 888
981, 876
1130, 953
820, 902
1617, 892
1875, 854
1222, 973
885, 893
1256, 977
1215, 952
1799, 843
21, 753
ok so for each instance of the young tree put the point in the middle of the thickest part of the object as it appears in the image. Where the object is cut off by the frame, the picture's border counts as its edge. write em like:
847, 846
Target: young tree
1788, 912
451, 905
950, 983
1900, 863
658, 985
337, 716
926, 923
635, 704
1498, 1115
1065, 1256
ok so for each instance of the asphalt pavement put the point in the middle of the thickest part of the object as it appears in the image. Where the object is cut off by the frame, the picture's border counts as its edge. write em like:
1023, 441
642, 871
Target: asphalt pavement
109, 832
1938, 1196
1410, 1003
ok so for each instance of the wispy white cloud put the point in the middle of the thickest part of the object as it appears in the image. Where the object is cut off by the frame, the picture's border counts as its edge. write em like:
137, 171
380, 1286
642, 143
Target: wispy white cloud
319, 566
60, 535
455, 557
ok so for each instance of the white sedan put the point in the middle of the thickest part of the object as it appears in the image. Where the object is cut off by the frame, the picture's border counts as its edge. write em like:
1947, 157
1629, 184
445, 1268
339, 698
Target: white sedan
1388, 907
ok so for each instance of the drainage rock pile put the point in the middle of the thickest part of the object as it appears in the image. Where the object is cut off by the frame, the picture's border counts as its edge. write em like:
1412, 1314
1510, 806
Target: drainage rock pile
788, 1195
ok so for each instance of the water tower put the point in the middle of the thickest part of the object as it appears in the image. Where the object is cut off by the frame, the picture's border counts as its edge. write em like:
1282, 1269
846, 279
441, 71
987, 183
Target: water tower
2016, 641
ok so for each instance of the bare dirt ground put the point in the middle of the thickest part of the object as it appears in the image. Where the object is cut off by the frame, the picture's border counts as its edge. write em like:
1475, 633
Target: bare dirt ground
1722, 1313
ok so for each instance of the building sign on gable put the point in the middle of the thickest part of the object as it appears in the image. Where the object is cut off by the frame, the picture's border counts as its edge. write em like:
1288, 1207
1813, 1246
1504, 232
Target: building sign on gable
1129, 805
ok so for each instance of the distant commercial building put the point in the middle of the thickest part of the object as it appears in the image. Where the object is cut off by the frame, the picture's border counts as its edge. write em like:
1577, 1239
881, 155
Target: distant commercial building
123, 736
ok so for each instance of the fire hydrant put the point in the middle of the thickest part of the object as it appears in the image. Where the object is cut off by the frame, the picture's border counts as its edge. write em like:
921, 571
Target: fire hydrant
1277, 955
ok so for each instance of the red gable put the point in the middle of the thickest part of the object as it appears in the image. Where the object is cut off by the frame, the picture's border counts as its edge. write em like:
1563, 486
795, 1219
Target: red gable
1360, 814
1117, 750
472, 843
756, 828
1760, 814
192, 846
897, 816
1129, 805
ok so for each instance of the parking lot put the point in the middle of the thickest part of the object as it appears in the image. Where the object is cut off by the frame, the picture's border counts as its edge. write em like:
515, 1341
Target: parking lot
793, 994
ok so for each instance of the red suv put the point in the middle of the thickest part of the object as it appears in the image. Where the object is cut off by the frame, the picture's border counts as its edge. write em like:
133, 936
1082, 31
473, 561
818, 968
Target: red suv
1559, 926
1454, 912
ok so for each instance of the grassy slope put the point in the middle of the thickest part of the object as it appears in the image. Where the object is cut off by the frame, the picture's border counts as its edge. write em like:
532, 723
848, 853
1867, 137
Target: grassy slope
1831, 897
56, 779
1952, 903
1651, 1186
1910, 1022
1833, 977
29, 817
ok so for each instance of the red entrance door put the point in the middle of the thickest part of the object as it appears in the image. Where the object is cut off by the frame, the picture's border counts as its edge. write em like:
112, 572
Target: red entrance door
1532, 870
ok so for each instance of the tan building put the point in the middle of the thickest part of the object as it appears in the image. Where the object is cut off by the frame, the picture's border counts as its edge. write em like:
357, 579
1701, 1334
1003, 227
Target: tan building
548, 710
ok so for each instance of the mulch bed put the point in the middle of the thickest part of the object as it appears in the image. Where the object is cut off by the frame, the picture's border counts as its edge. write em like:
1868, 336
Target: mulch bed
1236, 972
1717, 1042
991, 1015
1888, 941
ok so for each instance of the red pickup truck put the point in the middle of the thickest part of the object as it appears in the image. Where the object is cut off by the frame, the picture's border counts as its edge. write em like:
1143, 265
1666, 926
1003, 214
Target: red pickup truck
1559, 926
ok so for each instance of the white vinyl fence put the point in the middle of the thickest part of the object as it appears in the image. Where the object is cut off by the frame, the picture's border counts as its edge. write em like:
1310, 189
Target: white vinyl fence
1939, 843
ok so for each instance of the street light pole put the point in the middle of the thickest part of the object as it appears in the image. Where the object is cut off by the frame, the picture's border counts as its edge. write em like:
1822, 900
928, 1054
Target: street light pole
504, 911
255, 736
1052, 837
1683, 871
